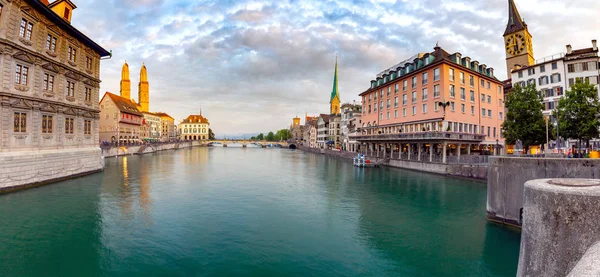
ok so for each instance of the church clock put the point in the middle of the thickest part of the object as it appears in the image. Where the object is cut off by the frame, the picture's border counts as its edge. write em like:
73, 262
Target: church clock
515, 44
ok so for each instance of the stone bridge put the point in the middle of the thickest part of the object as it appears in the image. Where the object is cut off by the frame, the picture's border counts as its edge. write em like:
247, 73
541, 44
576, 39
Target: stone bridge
245, 143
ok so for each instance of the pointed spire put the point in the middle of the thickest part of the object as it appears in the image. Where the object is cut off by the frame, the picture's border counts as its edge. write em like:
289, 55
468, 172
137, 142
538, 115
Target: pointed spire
143, 74
515, 22
125, 71
334, 91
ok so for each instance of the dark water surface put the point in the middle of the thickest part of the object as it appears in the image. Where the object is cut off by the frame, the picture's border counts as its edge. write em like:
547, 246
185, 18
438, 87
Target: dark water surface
252, 212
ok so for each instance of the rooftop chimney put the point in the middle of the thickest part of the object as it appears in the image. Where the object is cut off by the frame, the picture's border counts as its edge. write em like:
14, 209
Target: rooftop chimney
569, 49
594, 45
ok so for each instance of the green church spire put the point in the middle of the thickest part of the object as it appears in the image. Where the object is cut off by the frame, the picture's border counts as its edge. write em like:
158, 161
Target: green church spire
335, 92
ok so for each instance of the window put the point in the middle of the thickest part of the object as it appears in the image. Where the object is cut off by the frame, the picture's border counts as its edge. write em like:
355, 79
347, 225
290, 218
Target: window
425, 78
490, 99
381, 92
462, 108
414, 82
436, 74
483, 112
403, 111
488, 134
462, 94
389, 91
471, 81
47, 124
452, 106
520, 74
388, 115
425, 94
70, 89
543, 80
530, 71
51, 43
404, 99
88, 94
555, 78
452, 91
543, 68
404, 85
462, 78
436, 106
472, 96
21, 73
72, 54
388, 103
490, 113
451, 74
424, 108
26, 29
482, 82
396, 114
48, 82
414, 97
20, 125
66, 14
554, 66
381, 106
494, 131
500, 116
414, 110
396, 88
483, 98
396, 102
89, 64
473, 110
592, 66
87, 127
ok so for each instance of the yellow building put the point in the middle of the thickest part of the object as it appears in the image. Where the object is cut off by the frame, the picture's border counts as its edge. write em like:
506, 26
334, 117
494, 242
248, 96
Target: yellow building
167, 130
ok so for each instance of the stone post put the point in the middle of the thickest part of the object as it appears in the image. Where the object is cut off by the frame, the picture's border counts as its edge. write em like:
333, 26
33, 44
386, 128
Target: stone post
409, 150
444, 147
419, 150
458, 146
430, 152
392, 151
560, 223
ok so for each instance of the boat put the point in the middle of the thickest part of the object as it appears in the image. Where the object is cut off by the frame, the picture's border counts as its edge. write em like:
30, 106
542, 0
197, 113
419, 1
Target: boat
361, 161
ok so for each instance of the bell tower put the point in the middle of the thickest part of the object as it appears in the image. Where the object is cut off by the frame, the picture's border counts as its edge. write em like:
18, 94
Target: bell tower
517, 40
144, 90
125, 82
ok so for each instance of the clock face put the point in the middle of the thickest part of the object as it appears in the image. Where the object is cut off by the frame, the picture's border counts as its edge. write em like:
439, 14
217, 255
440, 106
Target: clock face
515, 44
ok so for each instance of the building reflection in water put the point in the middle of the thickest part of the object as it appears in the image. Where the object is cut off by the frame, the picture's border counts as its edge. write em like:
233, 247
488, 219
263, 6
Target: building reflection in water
126, 202
144, 197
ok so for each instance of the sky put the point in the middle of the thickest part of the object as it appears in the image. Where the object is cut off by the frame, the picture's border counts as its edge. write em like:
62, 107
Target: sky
251, 66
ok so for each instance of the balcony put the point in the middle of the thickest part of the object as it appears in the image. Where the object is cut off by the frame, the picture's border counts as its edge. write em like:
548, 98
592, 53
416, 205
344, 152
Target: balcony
422, 136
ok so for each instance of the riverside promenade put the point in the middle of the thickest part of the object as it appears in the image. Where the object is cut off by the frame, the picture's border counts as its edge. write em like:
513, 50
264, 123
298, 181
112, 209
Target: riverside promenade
474, 167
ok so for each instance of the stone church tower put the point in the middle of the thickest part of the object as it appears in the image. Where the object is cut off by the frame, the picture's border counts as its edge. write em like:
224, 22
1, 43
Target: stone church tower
125, 82
517, 40
334, 102
144, 91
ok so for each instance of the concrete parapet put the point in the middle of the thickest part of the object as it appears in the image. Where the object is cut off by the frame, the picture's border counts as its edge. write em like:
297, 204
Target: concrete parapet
560, 223
507, 175
149, 148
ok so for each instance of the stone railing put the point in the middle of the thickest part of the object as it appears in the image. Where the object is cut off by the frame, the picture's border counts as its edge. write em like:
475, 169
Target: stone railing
421, 136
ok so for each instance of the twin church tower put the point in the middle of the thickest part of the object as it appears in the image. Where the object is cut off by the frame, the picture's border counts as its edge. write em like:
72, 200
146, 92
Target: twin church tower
143, 87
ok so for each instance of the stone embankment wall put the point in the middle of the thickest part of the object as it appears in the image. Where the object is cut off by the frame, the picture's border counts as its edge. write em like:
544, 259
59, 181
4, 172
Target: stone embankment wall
560, 228
507, 176
145, 149
20, 170
475, 171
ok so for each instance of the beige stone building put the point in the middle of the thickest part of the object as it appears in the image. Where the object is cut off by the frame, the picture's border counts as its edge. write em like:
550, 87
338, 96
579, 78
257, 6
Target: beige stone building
168, 129
151, 126
48, 95
194, 127
120, 120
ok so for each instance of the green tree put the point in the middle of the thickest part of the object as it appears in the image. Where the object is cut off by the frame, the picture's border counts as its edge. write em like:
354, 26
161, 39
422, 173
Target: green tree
578, 112
524, 120
270, 136
260, 137
283, 134
252, 138
211, 135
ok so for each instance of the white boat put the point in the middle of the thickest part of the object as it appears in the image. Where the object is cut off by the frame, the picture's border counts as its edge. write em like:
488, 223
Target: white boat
361, 161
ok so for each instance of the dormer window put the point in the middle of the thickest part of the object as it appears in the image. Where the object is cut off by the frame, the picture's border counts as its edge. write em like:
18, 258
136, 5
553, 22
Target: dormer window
26, 29
66, 14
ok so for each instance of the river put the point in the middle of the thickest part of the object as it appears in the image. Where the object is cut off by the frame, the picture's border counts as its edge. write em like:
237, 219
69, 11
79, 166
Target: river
252, 212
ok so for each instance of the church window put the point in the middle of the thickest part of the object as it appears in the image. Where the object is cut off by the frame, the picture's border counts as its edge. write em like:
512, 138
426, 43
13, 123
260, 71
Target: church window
51, 43
87, 127
48, 82
21, 74
26, 29
20, 124
69, 122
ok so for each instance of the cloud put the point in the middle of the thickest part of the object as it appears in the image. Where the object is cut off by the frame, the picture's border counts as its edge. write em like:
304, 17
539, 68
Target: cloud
253, 65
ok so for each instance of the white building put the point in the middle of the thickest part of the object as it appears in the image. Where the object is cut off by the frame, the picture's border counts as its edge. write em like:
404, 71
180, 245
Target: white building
152, 126
351, 120
322, 131
194, 127
335, 130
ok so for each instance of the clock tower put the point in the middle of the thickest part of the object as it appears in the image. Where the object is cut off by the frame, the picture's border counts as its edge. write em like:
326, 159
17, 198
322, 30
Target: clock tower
517, 40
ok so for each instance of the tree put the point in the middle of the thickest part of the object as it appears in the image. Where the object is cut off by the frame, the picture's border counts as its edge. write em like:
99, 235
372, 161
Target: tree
524, 120
252, 138
578, 112
260, 137
270, 137
211, 135
283, 134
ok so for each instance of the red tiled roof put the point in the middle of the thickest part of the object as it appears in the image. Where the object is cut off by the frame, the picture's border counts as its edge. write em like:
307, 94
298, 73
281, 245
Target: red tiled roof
195, 119
123, 104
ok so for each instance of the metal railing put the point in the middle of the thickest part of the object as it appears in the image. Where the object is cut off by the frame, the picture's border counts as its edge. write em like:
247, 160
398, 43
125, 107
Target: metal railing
421, 136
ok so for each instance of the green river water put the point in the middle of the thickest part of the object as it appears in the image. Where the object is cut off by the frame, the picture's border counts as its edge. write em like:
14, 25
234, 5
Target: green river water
252, 212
